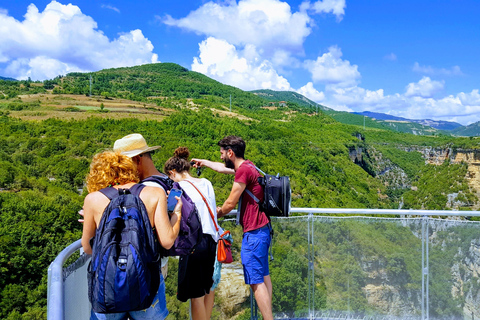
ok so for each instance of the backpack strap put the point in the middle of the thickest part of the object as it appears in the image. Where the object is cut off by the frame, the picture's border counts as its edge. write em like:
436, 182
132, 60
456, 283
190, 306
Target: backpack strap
162, 179
109, 192
249, 193
136, 189
258, 201
252, 195
258, 169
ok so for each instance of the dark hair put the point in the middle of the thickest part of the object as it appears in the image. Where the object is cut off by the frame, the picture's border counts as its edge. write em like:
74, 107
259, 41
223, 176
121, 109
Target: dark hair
235, 143
179, 161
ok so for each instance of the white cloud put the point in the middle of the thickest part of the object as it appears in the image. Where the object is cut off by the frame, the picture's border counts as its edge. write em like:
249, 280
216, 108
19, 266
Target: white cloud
472, 98
62, 39
269, 25
390, 57
354, 96
336, 7
453, 71
331, 69
463, 107
107, 6
245, 69
425, 88
311, 93
40, 67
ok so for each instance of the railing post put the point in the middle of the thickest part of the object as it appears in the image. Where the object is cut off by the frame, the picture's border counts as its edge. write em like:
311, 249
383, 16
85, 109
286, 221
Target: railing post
253, 306
425, 269
311, 270
427, 218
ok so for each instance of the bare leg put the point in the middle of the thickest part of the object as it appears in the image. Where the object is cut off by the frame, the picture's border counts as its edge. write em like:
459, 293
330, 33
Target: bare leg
268, 282
209, 299
198, 308
264, 300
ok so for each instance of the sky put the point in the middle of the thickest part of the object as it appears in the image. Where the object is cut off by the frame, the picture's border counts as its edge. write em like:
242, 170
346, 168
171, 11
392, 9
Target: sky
414, 59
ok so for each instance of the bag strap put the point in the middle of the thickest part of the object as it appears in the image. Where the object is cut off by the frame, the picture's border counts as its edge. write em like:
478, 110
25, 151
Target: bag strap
249, 193
136, 189
109, 192
252, 195
258, 169
206, 203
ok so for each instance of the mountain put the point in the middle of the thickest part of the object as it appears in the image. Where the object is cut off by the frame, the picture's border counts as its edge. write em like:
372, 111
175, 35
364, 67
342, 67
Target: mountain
472, 130
153, 83
375, 120
9, 79
289, 96
437, 124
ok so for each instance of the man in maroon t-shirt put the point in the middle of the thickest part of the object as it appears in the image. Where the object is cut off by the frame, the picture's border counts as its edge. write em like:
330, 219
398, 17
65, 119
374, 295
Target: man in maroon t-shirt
256, 227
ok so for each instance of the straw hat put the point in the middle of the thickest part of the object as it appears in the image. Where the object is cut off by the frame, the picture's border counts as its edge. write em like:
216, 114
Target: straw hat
132, 145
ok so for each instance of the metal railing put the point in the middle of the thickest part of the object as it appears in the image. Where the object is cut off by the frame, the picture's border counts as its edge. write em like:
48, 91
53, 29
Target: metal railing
56, 302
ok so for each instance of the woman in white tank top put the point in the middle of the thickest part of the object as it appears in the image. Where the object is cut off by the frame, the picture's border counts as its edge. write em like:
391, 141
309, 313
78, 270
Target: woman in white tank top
195, 271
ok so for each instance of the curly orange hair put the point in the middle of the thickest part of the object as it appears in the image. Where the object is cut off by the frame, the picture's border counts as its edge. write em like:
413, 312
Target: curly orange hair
110, 168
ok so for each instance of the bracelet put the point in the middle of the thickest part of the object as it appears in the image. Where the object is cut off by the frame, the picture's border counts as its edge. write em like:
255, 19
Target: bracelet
177, 212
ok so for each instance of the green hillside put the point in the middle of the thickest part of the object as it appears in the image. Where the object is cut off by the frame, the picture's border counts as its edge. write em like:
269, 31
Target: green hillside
472, 130
43, 163
347, 117
290, 97
154, 82
6, 78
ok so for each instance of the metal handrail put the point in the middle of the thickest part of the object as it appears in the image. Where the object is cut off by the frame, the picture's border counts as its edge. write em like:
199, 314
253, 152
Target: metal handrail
55, 293
455, 213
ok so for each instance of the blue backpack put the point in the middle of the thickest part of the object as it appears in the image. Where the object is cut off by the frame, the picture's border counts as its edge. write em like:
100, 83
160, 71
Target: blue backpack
124, 273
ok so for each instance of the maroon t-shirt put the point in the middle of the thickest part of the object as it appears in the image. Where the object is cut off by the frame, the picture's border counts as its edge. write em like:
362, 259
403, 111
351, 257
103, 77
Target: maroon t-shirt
251, 218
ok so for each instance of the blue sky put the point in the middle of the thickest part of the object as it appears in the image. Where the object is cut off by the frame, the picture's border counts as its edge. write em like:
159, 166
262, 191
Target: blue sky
415, 59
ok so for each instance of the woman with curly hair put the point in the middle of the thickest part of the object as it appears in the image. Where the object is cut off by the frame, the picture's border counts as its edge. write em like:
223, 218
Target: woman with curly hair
195, 271
112, 169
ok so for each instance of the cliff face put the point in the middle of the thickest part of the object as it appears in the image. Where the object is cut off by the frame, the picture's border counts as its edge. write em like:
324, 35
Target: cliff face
463, 273
373, 162
391, 175
232, 290
471, 157
388, 293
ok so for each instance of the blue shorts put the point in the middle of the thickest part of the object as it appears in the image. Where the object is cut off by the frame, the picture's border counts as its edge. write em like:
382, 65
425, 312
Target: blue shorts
157, 311
254, 254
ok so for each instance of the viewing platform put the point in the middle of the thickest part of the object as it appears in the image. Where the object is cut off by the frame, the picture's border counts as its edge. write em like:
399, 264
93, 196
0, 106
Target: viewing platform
365, 264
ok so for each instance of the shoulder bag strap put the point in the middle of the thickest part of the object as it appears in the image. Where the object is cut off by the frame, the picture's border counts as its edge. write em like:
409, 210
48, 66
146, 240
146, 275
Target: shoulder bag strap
206, 203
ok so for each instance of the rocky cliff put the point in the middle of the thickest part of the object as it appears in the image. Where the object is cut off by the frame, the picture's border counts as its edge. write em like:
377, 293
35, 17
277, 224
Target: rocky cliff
373, 162
232, 290
438, 156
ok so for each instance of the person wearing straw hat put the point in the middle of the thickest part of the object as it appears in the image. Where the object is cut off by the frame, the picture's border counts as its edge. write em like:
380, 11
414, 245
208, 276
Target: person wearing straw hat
135, 146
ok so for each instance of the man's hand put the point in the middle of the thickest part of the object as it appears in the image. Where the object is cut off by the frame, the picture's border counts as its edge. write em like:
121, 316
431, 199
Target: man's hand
215, 166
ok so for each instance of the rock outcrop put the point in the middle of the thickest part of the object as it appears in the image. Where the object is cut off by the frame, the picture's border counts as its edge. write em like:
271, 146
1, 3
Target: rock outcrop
232, 290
